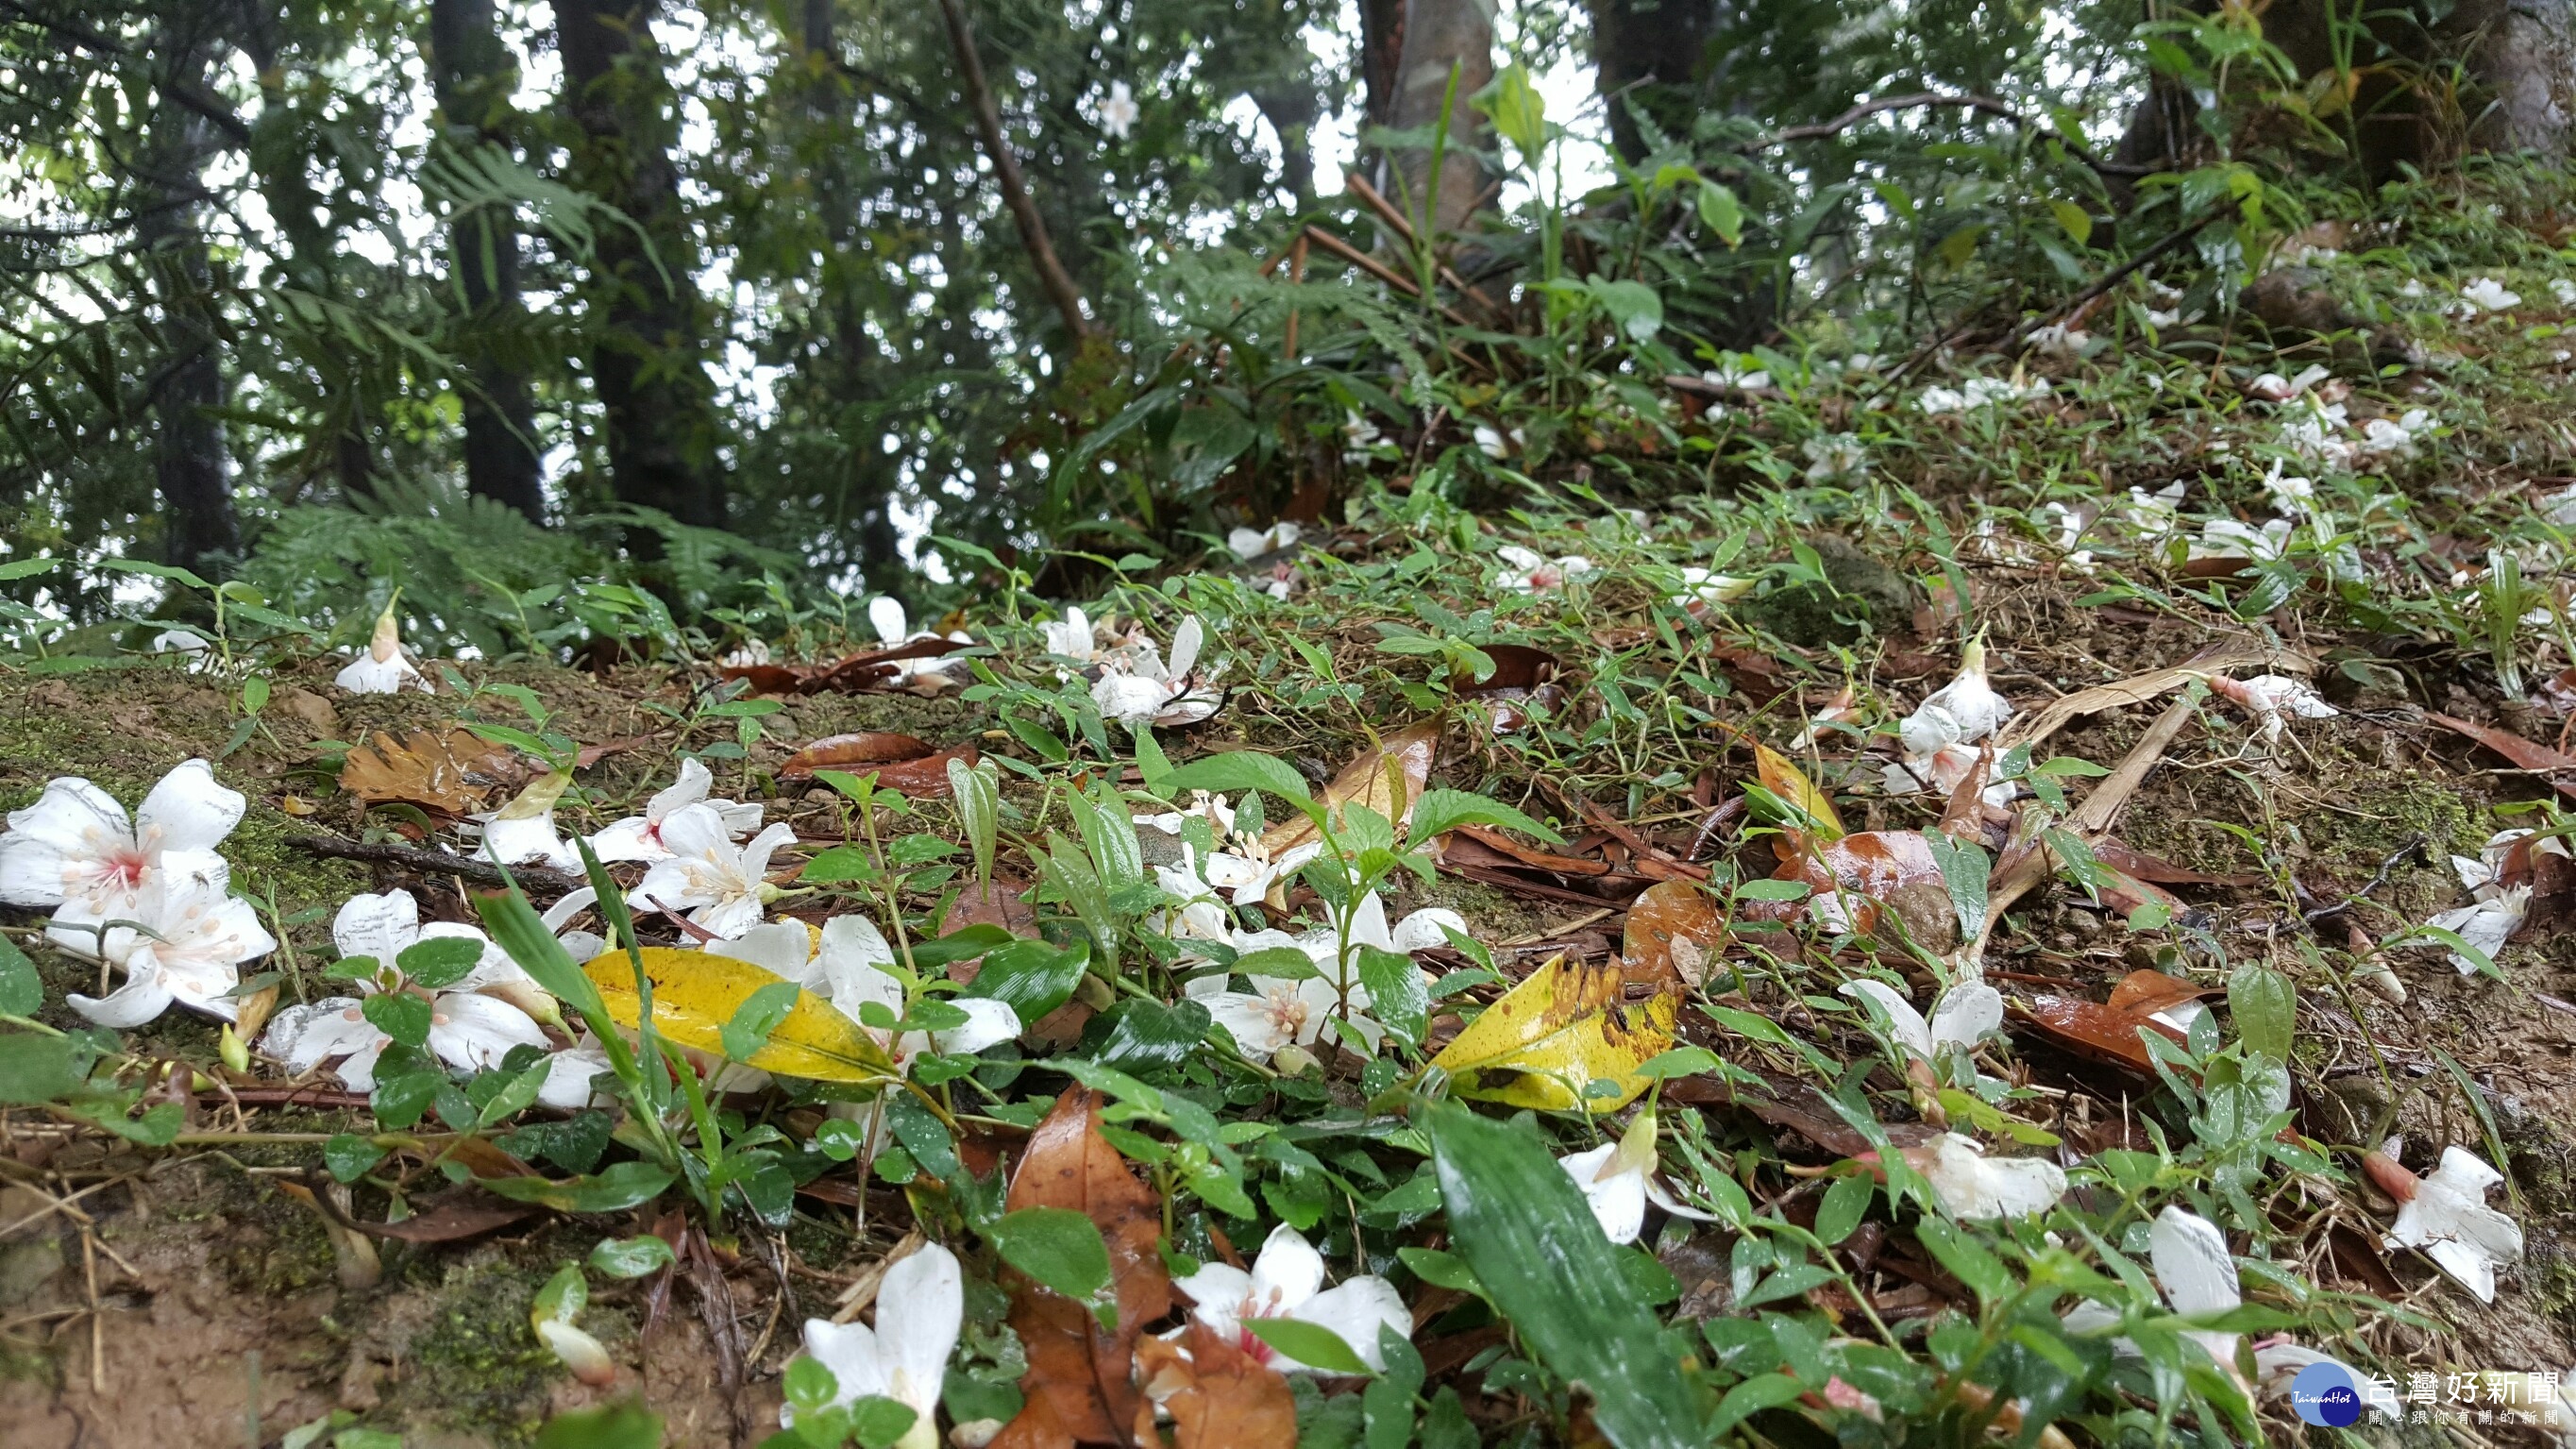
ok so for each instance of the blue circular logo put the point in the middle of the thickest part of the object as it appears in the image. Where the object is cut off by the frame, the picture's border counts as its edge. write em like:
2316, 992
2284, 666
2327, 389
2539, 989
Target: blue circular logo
2323, 1394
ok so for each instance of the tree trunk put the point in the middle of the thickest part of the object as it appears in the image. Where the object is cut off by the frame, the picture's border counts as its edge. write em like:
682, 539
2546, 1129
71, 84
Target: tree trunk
475, 72
869, 477
646, 362
1649, 55
1442, 39
200, 530
2523, 53
1381, 54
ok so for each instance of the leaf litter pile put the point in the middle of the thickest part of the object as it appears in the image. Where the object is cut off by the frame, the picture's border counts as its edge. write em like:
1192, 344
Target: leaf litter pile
1804, 962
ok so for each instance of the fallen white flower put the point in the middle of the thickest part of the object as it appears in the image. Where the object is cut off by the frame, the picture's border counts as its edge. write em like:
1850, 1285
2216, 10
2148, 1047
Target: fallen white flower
1709, 587
1137, 688
2486, 294
2277, 1364
2487, 925
1532, 573
1498, 446
2198, 1276
1976, 1188
1936, 736
848, 963
1834, 457
200, 933
1251, 543
639, 837
524, 829
1619, 1178
2274, 699
1980, 392
2448, 1218
1966, 1014
921, 1308
1287, 1281
894, 629
721, 885
2060, 342
76, 845
2228, 538
384, 668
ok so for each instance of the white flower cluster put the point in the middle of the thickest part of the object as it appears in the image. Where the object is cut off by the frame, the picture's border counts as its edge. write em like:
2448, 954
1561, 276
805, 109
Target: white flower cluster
1980, 392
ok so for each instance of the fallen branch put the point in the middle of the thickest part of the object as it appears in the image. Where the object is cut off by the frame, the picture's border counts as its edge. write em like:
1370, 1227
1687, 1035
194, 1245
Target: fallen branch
533, 878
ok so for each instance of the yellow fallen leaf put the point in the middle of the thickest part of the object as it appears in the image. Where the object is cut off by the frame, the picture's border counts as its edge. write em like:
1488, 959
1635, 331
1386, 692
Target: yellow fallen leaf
1791, 784
1557, 1033
695, 994
1386, 778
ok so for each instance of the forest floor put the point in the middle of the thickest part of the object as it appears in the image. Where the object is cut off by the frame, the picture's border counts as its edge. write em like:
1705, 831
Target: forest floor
172, 1295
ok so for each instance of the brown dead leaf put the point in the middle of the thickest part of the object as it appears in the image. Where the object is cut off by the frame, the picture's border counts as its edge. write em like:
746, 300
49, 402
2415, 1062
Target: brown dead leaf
901, 763
1385, 777
1219, 1396
2094, 1031
1674, 931
2144, 993
1079, 1385
1872, 869
450, 1216
1523, 677
2552, 765
1003, 902
454, 772
2137, 864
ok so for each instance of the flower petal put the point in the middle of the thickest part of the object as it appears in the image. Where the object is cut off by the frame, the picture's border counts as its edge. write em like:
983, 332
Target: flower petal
475, 1032
921, 1306
379, 926
71, 824
142, 998
1287, 1273
188, 810
989, 1023
1357, 1310
1966, 1014
1904, 1023
2192, 1262
691, 787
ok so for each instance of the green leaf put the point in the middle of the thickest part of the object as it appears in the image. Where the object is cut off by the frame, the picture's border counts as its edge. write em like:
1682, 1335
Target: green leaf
1519, 112
2265, 1007
521, 932
631, 1257
978, 793
1527, 1233
1721, 213
1033, 977
960, 945
1311, 1344
616, 1426
1136, 1033
400, 1015
617, 1187
350, 1157
1238, 770
514, 1096
1842, 1208
840, 865
563, 1298
1438, 811
1399, 998
747, 1031
1633, 306
1060, 1249
1773, 890
878, 1421
21, 990
1964, 870
1966, 1258
2078, 222
1760, 1392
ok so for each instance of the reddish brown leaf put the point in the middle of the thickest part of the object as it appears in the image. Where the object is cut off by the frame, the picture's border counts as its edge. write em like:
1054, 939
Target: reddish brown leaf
842, 752
1002, 903
1870, 869
1219, 1396
857, 673
1523, 676
452, 772
449, 1217
1079, 1385
1674, 932
2537, 758
2093, 1031
2144, 993
2138, 865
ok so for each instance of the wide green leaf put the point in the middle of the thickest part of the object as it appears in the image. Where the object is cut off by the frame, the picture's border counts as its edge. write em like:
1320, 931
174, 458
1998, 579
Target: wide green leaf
1033, 977
1311, 1344
1524, 1228
616, 1188
1061, 1248
1238, 770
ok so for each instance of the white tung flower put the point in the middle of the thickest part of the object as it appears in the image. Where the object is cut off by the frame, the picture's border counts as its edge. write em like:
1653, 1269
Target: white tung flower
201, 933
1138, 688
2059, 342
1965, 1015
720, 884
1834, 458
76, 845
1529, 572
1287, 1281
2274, 699
1619, 1178
848, 962
921, 1307
1974, 1187
1118, 111
1277, 1012
2449, 1219
1937, 736
1498, 446
2228, 538
1709, 588
2198, 1275
639, 837
524, 829
2486, 925
1251, 543
2486, 294
894, 628
384, 668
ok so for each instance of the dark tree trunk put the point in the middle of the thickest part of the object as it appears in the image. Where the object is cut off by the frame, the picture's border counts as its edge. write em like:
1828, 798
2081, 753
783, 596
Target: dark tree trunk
1650, 56
646, 363
200, 530
868, 476
475, 72
1442, 39
1381, 52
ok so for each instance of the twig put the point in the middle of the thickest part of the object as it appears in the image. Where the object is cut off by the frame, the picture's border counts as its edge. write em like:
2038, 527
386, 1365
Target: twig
432, 862
1988, 105
1006, 170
